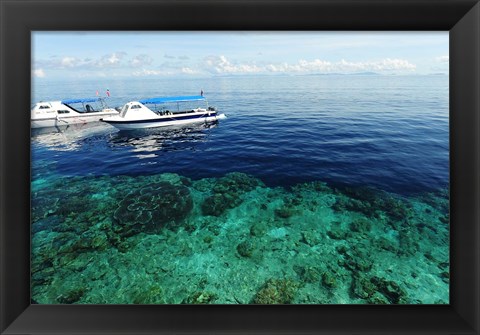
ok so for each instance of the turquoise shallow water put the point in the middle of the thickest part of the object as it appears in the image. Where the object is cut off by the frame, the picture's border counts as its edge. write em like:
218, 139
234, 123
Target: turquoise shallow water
168, 239
348, 206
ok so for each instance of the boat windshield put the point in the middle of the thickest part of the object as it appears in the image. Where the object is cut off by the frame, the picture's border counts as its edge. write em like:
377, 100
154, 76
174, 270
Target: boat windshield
124, 111
86, 105
42, 105
73, 108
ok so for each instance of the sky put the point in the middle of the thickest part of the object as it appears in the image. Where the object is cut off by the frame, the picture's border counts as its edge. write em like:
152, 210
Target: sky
205, 54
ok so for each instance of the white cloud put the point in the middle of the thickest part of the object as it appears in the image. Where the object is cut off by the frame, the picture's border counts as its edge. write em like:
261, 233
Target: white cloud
304, 66
113, 59
381, 66
221, 65
68, 62
145, 72
92, 75
141, 60
104, 61
188, 70
318, 65
39, 73
443, 59
164, 72
183, 57
108, 61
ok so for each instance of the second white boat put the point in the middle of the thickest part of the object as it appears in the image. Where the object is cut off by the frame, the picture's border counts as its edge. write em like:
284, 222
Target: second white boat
68, 112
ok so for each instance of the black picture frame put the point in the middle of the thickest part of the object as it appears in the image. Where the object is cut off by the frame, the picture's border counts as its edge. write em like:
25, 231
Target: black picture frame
19, 17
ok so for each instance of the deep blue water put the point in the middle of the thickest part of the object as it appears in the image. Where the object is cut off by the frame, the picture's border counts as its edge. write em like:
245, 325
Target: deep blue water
389, 132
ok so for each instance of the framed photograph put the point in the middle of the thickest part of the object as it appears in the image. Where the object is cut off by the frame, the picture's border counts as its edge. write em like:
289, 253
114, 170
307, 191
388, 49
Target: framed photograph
260, 167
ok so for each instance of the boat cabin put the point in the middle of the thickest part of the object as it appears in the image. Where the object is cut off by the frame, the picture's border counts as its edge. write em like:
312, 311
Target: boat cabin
163, 107
70, 106
135, 109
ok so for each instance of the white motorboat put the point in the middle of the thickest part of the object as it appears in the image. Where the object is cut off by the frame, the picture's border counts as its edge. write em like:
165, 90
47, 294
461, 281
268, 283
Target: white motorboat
71, 111
166, 112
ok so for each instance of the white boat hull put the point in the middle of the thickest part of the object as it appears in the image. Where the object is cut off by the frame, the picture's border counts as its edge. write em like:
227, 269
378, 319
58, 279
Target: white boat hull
158, 123
68, 120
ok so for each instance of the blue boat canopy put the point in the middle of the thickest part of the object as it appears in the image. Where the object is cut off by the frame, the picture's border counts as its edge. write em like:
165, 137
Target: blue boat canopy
173, 99
73, 101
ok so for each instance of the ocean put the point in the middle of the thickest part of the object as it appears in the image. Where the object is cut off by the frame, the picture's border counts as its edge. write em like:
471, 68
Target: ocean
319, 189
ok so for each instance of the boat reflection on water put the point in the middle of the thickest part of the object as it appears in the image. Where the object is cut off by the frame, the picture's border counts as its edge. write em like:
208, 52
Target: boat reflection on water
66, 137
147, 143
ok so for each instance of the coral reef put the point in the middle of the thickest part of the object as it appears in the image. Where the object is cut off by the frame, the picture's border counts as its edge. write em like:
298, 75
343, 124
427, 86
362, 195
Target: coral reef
377, 290
328, 279
390, 289
311, 238
337, 233
308, 274
361, 225
147, 296
200, 298
71, 297
167, 239
362, 287
227, 192
372, 202
246, 248
284, 212
152, 207
276, 291
356, 259
258, 228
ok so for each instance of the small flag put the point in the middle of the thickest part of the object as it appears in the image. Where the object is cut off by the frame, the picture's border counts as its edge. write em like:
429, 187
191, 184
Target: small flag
108, 93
